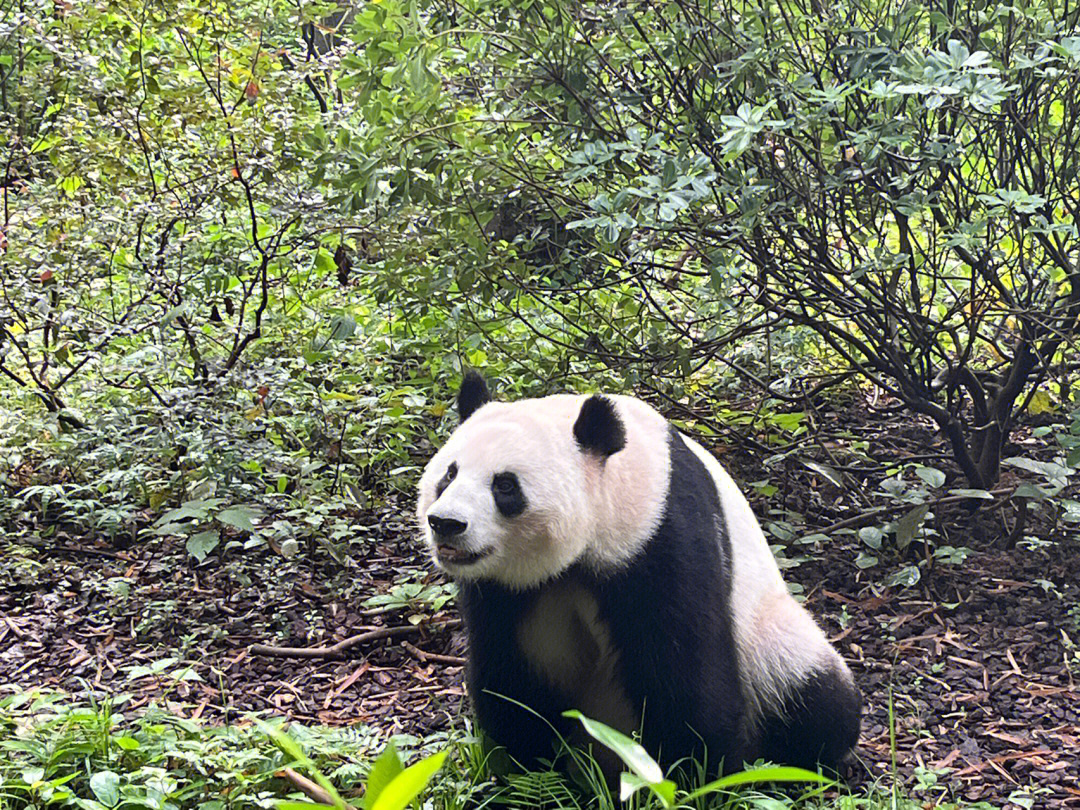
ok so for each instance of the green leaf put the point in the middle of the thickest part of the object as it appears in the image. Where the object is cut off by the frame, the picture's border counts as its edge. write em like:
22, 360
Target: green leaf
173, 314
758, 775
790, 422
44, 144
1046, 468
872, 536
1072, 511
825, 471
71, 184
126, 743
342, 327
631, 783
972, 493
1030, 491
324, 261
185, 674
196, 510
909, 524
932, 476
283, 741
239, 517
865, 560
201, 544
408, 784
633, 755
906, 577
173, 528
385, 768
155, 668
287, 804
417, 75
106, 787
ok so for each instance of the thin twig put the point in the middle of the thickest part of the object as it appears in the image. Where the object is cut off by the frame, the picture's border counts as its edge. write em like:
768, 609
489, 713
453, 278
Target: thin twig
352, 641
93, 552
308, 788
435, 658
945, 500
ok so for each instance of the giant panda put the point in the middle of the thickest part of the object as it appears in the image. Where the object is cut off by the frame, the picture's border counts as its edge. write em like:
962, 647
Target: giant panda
606, 562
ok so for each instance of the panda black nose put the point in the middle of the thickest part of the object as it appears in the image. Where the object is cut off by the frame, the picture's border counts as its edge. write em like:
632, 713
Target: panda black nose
446, 527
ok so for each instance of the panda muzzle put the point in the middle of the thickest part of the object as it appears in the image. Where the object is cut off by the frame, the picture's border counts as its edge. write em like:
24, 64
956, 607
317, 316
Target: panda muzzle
449, 535
458, 556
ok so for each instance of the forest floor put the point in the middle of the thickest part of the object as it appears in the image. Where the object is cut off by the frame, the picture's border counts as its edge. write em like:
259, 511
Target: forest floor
975, 664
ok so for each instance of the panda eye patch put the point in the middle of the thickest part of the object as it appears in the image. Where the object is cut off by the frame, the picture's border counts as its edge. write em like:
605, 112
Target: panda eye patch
451, 474
509, 499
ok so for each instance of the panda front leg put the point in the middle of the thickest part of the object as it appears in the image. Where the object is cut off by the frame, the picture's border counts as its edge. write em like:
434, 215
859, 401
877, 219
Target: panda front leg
518, 716
513, 706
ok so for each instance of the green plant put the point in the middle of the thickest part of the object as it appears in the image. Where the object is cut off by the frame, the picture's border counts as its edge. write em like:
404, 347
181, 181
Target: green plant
390, 785
192, 518
59, 753
419, 598
644, 772
161, 668
92, 756
859, 178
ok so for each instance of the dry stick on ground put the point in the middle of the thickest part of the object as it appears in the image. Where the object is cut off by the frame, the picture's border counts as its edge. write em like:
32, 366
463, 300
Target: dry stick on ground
308, 788
945, 500
93, 552
435, 658
352, 641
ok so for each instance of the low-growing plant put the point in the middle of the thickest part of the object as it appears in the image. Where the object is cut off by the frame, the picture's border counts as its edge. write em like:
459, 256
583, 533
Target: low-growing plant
390, 785
644, 773
101, 755
202, 521
419, 598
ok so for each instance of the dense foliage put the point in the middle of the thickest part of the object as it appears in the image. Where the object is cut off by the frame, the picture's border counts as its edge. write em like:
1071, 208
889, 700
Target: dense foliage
783, 193
96, 757
898, 179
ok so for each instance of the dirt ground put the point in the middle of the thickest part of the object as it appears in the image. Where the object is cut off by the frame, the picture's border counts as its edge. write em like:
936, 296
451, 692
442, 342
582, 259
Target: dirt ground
975, 663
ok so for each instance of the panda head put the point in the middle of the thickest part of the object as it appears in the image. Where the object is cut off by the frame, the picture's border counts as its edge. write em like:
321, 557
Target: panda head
521, 490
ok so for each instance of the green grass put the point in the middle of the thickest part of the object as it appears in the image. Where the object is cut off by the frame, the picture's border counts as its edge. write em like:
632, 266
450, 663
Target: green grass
97, 756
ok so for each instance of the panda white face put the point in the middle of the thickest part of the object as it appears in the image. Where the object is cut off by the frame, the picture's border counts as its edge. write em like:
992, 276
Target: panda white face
505, 499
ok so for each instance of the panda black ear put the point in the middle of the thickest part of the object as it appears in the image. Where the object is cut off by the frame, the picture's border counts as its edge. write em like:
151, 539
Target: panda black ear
598, 429
472, 394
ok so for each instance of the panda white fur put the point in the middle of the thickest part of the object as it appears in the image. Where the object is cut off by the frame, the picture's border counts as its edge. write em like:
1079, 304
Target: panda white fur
608, 563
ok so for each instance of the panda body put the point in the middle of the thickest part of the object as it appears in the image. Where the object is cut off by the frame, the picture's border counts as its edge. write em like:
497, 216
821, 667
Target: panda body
607, 563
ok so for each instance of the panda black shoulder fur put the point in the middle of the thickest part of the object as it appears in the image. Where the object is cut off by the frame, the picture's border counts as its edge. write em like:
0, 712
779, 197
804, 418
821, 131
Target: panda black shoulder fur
608, 563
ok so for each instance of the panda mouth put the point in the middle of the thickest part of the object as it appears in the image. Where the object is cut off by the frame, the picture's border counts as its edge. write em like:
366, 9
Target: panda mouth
459, 556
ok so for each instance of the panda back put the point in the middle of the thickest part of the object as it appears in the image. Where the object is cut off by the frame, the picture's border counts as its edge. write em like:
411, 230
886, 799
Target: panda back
786, 662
